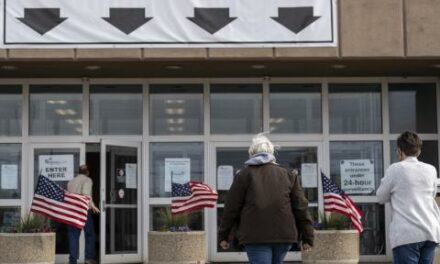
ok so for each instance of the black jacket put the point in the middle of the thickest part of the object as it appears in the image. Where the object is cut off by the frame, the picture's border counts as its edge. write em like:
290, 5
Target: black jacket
267, 205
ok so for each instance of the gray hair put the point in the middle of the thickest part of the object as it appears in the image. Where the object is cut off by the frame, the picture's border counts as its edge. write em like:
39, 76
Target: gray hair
260, 143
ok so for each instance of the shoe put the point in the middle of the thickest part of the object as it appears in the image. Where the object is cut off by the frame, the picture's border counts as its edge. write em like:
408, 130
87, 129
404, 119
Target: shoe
90, 261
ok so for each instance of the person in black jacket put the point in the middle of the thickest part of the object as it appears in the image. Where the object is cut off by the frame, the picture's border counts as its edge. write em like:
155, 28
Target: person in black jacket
267, 207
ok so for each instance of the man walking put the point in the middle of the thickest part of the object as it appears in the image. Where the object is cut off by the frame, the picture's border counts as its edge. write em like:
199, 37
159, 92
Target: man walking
82, 184
411, 185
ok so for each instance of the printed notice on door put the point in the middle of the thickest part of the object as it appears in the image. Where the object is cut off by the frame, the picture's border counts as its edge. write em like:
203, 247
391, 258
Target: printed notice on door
357, 176
225, 176
56, 167
177, 170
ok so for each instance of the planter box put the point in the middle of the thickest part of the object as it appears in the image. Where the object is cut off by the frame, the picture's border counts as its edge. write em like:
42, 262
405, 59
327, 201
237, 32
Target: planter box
334, 246
176, 247
27, 248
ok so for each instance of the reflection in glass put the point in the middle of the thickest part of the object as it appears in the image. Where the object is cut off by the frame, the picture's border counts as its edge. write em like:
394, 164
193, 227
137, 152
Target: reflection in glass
293, 157
159, 186
355, 108
234, 244
10, 171
121, 231
295, 108
413, 107
176, 109
9, 218
195, 219
236, 108
55, 110
10, 110
372, 240
62, 244
343, 152
428, 155
116, 110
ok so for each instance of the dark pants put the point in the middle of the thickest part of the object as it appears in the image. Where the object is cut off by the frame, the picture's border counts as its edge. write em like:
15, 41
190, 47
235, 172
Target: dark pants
270, 253
74, 233
415, 253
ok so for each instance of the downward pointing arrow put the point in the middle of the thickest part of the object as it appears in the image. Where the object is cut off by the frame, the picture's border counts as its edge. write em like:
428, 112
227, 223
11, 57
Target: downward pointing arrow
211, 19
295, 18
42, 20
127, 20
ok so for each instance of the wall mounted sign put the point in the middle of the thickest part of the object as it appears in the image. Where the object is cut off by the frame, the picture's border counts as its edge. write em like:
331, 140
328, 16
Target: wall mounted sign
56, 167
357, 176
164, 23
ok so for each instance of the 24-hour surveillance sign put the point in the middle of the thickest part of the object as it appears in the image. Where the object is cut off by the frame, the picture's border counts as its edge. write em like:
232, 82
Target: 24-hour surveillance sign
161, 23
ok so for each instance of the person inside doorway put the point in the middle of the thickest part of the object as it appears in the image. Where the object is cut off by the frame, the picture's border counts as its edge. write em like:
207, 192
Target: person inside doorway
82, 184
267, 207
411, 186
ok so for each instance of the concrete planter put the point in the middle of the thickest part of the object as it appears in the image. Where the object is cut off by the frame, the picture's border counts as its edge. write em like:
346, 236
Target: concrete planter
177, 247
334, 246
20, 248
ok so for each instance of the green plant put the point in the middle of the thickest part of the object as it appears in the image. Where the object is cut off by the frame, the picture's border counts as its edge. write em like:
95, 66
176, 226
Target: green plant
333, 221
173, 223
31, 224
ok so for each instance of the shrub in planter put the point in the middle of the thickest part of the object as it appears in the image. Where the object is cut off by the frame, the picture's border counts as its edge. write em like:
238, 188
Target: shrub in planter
176, 243
335, 242
30, 241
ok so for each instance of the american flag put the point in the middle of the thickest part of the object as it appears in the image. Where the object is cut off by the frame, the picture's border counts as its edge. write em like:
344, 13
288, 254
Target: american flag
192, 196
336, 200
62, 206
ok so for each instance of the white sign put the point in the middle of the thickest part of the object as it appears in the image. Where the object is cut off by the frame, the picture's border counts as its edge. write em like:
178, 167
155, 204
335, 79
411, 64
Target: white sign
357, 176
177, 170
56, 167
165, 23
131, 175
225, 176
9, 177
309, 175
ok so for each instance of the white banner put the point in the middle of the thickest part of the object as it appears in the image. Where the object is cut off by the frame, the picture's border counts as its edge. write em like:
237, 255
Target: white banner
357, 176
56, 167
166, 23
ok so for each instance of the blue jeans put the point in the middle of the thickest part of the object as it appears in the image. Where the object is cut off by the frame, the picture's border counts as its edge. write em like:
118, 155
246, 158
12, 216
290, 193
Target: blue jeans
415, 253
270, 253
74, 233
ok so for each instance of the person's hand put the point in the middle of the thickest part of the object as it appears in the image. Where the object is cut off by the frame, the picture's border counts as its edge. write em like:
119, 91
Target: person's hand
224, 244
96, 210
306, 247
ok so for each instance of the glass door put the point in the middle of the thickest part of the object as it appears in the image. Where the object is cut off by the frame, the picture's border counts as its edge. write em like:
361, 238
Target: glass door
229, 158
60, 163
120, 202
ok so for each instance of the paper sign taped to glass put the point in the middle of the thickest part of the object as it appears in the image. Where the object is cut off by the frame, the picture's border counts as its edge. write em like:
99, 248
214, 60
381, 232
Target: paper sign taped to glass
177, 170
56, 167
357, 176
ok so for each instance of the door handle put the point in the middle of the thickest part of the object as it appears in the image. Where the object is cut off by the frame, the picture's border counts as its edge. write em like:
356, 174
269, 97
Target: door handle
103, 205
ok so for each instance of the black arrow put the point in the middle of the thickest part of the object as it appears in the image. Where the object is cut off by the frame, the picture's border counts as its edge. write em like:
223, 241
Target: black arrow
211, 19
295, 18
127, 20
42, 20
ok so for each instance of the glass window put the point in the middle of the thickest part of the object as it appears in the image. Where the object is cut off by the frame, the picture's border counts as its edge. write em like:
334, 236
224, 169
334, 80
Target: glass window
413, 107
295, 108
9, 218
236, 108
10, 110
356, 166
176, 109
429, 152
55, 110
116, 110
372, 240
355, 108
163, 156
297, 158
10, 171
195, 219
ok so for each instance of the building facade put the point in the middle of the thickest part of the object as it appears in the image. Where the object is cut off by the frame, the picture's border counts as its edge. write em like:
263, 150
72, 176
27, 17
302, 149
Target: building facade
135, 113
